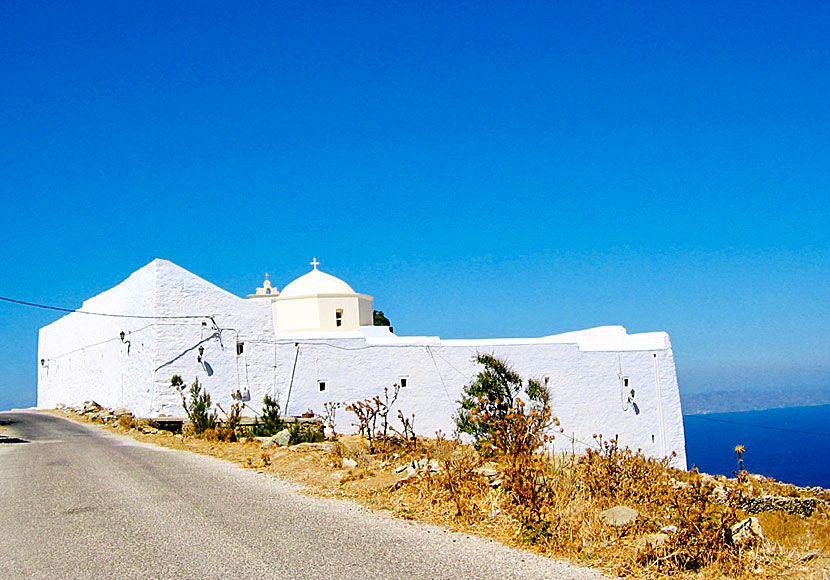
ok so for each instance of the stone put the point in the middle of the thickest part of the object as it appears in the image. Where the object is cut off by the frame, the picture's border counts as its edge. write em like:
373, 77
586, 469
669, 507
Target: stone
349, 463
651, 542
747, 532
283, 438
799, 506
320, 446
119, 411
620, 515
490, 470
91, 407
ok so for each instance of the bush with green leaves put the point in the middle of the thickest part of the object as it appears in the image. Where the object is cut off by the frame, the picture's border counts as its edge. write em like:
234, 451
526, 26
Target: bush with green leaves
270, 422
304, 434
198, 407
379, 319
491, 401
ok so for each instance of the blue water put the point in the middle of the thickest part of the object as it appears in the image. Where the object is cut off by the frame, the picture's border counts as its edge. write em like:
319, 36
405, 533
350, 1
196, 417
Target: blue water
792, 445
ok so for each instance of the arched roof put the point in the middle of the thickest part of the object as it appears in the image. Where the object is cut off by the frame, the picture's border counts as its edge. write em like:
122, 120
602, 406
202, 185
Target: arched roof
316, 282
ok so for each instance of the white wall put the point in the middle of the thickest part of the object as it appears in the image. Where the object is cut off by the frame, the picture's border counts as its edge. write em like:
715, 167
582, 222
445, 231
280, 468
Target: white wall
587, 395
221, 371
85, 359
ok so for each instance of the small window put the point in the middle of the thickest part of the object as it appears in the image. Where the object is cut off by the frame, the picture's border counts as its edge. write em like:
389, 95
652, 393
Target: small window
322, 386
626, 382
404, 381
338, 317
240, 348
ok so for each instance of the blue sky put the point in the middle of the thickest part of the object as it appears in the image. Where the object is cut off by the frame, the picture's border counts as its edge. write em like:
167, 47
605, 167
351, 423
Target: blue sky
482, 169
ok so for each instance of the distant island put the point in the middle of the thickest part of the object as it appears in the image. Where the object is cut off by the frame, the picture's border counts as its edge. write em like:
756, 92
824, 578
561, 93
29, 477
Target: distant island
752, 400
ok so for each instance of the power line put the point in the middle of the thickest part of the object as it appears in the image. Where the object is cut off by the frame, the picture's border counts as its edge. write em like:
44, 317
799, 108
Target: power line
71, 311
759, 426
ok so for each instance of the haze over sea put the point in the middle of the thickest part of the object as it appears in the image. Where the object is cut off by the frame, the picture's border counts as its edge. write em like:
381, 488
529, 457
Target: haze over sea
789, 444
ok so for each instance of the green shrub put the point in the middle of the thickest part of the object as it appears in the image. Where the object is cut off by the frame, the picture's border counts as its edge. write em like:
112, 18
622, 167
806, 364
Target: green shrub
198, 408
304, 434
269, 423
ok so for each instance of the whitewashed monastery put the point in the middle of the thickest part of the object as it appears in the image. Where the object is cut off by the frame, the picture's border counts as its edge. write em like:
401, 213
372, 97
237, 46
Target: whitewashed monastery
315, 342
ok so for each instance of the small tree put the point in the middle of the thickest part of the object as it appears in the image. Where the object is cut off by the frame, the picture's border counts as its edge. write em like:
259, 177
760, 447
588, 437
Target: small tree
380, 319
271, 421
491, 399
515, 431
198, 408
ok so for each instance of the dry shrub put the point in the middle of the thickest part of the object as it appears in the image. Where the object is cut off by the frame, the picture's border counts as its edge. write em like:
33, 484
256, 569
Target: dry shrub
336, 453
217, 434
125, 421
459, 479
264, 460
611, 474
362, 456
704, 535
793, 532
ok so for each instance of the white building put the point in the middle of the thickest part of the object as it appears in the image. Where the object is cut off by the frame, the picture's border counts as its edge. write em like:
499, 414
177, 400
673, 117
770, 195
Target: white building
314, 343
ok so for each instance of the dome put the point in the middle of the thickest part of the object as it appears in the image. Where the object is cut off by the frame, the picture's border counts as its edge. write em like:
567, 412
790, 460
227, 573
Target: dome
316, 282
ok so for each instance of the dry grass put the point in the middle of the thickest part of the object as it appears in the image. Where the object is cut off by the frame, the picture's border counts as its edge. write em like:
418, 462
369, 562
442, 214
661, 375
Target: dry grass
449, 484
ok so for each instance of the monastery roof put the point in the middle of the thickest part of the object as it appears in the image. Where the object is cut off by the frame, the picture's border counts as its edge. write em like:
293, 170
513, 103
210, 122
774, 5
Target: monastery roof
316, 282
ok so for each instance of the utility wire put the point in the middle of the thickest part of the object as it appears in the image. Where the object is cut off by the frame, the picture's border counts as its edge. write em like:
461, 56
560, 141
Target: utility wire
71, 311
759, 426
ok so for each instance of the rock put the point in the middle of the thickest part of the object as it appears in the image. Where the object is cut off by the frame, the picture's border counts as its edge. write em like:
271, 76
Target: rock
118, 412
320, 446
651, 542
620, 515
668, 529
747, 532
811, 555
349, 463
490, 470
281, 439
799, 506
91, 407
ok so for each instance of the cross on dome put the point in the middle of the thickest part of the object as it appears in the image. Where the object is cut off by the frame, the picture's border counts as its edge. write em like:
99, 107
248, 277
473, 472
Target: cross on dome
314, 263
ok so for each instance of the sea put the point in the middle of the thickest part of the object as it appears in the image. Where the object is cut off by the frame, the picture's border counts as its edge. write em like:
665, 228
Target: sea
791, 444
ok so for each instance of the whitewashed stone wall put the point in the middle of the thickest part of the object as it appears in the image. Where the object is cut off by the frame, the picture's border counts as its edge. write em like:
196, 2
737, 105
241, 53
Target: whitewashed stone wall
85, 359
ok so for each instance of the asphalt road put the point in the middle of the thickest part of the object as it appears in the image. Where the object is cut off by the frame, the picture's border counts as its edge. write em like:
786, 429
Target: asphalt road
78, 502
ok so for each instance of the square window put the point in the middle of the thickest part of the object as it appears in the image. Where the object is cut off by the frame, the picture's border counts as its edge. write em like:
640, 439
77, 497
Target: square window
240, 348
322, 386
626, 382
403, 382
